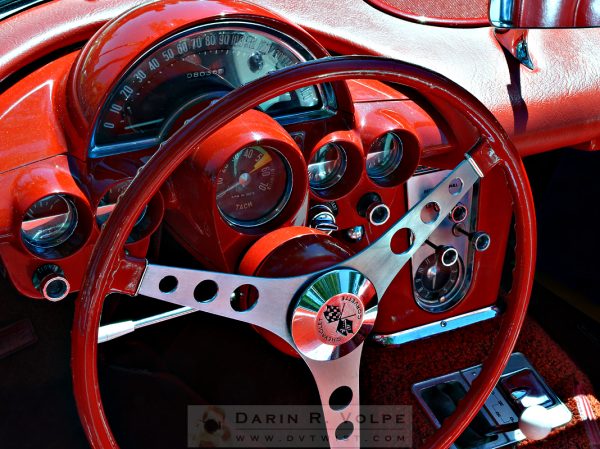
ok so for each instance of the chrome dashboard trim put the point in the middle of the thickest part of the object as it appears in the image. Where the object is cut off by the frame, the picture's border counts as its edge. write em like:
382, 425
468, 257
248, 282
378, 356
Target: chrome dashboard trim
436, 328
416, 188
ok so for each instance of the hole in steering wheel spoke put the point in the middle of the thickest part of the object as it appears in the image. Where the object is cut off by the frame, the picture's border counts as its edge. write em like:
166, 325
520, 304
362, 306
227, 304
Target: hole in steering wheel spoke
402, 241
206, 291
456, 186
340, 398
168, 284
244, 298
344, 430
430, 212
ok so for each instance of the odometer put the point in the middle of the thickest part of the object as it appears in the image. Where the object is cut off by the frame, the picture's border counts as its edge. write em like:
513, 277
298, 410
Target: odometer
253, 186
184, 74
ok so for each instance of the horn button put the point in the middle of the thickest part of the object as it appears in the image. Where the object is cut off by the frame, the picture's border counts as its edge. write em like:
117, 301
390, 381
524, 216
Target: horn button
334, 315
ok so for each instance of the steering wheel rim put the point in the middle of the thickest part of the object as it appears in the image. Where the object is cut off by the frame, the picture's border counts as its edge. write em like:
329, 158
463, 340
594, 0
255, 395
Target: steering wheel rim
108, 255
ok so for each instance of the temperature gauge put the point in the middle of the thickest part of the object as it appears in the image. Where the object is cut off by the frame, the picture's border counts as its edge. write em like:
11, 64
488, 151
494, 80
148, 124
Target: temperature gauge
49, 222
384, 156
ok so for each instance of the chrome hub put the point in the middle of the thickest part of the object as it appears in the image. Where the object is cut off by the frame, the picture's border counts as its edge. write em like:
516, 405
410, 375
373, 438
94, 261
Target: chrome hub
334, 315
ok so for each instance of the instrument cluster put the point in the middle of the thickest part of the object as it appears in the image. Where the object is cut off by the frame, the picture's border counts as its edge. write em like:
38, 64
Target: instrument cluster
255, 184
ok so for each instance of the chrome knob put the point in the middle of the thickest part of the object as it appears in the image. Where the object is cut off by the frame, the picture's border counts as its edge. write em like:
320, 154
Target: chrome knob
372, 207
378, 214
446, 254
459, 213
323, 219
355, 233
480, 240
51, 282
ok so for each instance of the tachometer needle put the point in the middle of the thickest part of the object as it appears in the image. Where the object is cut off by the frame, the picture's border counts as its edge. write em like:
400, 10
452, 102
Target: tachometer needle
227, 190
243, 181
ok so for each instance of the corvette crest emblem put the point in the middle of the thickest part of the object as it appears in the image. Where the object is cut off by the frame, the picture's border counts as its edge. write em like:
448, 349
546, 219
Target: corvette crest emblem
340, 318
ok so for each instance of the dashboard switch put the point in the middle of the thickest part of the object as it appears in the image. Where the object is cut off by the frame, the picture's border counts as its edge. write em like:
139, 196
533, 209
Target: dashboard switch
322, 218
479, 240
446, 254
459, 213
51, 282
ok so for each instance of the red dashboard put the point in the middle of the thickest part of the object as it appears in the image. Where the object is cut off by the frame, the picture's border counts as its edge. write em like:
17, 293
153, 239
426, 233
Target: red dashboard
54, 126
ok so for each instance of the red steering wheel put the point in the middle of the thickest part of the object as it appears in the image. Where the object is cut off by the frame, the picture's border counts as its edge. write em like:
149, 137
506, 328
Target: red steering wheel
293, 308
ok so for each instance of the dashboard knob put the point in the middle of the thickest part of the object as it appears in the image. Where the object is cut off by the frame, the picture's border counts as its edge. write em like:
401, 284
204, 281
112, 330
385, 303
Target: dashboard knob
446, 254
459, 213
51, 282
372, 207
355, 233
323, 219
378, 214
480, 240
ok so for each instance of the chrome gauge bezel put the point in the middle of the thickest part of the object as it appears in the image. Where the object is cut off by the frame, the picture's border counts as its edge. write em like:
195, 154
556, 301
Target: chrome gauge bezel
389, 171
251, 224
325, 91
340, 173
64, 236
72, 240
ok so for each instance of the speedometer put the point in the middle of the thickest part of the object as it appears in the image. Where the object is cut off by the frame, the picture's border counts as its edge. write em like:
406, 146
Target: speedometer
184, 74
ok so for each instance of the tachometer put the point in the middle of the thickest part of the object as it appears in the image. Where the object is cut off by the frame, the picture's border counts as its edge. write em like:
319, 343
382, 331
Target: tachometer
253, 186
185, 73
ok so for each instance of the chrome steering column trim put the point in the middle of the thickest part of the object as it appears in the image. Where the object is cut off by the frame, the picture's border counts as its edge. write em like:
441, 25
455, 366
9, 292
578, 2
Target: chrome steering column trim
437, 327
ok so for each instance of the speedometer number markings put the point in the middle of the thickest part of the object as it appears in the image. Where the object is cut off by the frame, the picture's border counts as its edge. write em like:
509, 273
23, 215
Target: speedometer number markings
195, 69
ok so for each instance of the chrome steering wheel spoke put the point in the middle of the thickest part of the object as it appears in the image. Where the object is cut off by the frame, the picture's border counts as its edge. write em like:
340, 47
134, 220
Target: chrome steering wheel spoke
379, 263
213, 293
338, 384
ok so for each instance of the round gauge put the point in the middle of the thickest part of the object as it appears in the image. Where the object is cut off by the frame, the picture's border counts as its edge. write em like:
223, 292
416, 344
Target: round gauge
327, 166
384, 156
49, 222
186, 73
436, 284
109, 201
253, 186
